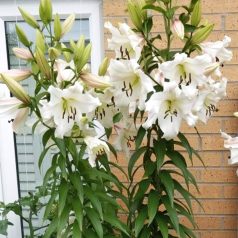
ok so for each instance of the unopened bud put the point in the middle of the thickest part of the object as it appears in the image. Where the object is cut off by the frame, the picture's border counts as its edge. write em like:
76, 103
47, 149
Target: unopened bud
17, 74
22, 36
103, 67
53, 53
45, 11
137, 13
22, 53
211, 69
178, 28
16, 89
201, 34
85, 57
57, 27
67, 24
67, 55
94, 81
196, 14
40, 41
29, 18
42, 63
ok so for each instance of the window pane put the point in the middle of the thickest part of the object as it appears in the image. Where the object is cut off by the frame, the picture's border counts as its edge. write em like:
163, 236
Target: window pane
28, 147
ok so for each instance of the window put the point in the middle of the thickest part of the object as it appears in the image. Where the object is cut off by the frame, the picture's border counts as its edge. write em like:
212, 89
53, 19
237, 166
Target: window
19, 172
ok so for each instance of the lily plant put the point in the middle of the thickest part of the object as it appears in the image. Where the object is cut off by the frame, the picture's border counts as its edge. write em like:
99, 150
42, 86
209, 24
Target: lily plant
135, 105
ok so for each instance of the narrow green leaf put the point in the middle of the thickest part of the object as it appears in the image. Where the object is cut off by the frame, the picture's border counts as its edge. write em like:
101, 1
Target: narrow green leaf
96, 223
163, 226
63, 219
63, 193
172, 213
168, 183
76, 231
51, 229
140, 136
160, 151
94, 200
78, 210
136, 155
153, 202
140, 221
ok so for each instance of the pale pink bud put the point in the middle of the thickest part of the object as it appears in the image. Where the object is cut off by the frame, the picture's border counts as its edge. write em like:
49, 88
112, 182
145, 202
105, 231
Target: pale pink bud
22, 53
17, 74
95, 81
178, 28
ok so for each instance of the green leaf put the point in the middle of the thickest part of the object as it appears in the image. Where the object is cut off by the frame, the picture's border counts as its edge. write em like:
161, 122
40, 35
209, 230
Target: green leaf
63, 219
114, 221
76, 231
171, 212
163, 226
61, 146
94, 218
143, 187
78, 210
140, 136
160, 151
51, 228
168, 183
188, 231
136, 155
140, 221
153, 202
155, 8
117, 117
43, 156
3, 227
77, 183
63, 193
94, 200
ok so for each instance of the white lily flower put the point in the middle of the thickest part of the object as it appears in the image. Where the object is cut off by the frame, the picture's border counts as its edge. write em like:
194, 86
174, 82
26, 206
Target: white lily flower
130, 83
208, 97
169, 107
95, 147
217, 50
67, 106
231, 143
64, 70
185, 70
11, 109
124, 41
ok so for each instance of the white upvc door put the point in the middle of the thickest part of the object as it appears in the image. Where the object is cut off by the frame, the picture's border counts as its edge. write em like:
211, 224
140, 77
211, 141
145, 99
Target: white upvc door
89, 9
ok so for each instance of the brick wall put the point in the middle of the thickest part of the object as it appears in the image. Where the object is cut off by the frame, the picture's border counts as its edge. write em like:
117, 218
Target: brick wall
218, 182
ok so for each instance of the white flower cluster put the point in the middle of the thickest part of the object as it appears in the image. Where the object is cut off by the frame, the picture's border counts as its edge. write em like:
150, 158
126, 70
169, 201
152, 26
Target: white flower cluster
192, 86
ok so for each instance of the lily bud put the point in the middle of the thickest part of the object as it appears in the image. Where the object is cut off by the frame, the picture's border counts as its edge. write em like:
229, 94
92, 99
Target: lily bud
16, 89
53, 53
67, 24
196, 14
42, 63
137, 13
57, 27
178, 28
22, 36
22, 53
79, 48
29, 18
40, 41
85, 57
17, 74
45, 11
235, 114
211, 69
67, 55
103, 67
94, 81
201, 34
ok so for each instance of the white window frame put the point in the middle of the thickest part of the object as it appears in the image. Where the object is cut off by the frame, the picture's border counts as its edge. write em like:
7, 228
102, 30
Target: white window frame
9, 12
